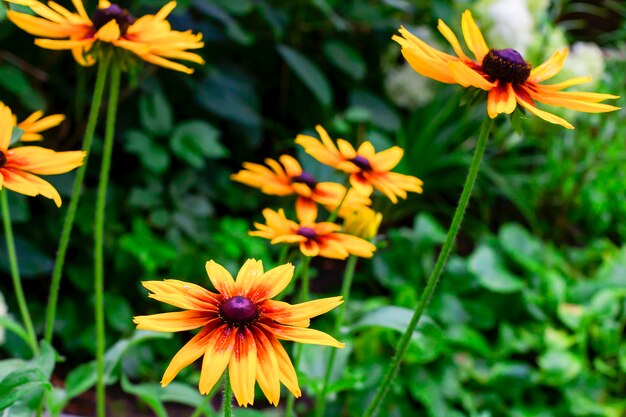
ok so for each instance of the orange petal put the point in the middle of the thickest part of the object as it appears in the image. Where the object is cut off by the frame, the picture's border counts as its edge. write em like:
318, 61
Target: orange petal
219, 349
221, 279
501, 99
473, 37
248, 275
174, 322
267, 367
271, 283
549, 68
467, 77
182, 294
189, 353
243, 367
301, 335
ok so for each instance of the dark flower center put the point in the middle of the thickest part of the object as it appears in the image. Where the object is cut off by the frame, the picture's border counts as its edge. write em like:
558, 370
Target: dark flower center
362, 163
114, 12
307, 232
3, 159
238, 311
305, 178
506, 65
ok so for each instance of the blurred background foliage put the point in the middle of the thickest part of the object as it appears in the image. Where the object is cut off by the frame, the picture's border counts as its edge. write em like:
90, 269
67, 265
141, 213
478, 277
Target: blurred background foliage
530, 318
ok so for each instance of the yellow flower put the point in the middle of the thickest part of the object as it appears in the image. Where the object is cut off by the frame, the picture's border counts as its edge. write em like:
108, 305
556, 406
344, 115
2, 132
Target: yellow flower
35, 123
362, 222
503, 73
287, 178
314, 239
240, 327
20, 166
368, 169
150, 37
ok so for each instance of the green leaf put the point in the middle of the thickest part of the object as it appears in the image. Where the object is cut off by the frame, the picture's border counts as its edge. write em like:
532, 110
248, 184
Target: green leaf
559, 366
119, 315
308, 73
489, 268
149, 393
346, 58
14, 81
383, 115
19, 384
8, 323
152, 155
195, 140
80, 379
155, 113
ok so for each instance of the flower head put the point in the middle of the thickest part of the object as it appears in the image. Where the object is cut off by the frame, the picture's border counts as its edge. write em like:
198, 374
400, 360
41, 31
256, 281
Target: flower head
34, 124
240, 327
368, 169
503, 73
20, 166
150, 37
288, 177
314, 239
362, 222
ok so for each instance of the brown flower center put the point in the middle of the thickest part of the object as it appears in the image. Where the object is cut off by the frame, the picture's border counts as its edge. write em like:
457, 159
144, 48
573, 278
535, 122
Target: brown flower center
239, 311
307, 232
114, 12
305, 178
362, 163
3, 159
506, 65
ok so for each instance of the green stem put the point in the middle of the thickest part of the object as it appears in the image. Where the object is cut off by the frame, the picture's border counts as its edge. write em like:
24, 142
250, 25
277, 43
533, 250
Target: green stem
297, 351
228, 397
15, 273
76, 191
439, 267
284, 251
99, 233
348, 275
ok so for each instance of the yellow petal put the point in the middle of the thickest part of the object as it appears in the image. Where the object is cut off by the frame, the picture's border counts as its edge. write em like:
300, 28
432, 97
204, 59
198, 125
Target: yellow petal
173, 322
250, 272
242, 367
271, 283
467, 77
549, 68
473, 37
302, 335
188, 354
218, 352
221, 279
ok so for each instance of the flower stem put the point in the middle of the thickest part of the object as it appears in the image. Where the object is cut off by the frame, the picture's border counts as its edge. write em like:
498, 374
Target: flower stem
348, 275
99, 233
438, 269
297, 351
228, 397
15, 273
333, 215
76, 190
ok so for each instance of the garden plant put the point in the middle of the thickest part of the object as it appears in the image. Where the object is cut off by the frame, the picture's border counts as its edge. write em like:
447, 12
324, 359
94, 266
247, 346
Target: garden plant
313, 208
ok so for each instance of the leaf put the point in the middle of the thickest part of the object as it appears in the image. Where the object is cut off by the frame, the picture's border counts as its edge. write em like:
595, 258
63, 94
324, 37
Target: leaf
308, 73
149, 393
14, 81
30, 259
559, 366
152, 155
8, 323
80, 379
520, 245
19, 384
346, 58
195, 140
488, 267
155, 113
119, 314
383, 115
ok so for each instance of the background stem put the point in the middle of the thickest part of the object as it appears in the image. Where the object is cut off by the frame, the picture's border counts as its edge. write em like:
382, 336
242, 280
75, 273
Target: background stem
348, 275
99, 233
439, 267
76, 190
228, 397
15, 273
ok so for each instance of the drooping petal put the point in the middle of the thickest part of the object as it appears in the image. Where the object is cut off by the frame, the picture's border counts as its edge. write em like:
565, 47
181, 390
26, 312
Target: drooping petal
549, 117
188, 354
242, 368
267, 373
501, 99
218, 352
287, 373
467, 77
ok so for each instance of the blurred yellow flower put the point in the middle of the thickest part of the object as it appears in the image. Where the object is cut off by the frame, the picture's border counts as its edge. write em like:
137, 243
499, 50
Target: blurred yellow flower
240, 327
287, 177
150, 37
503, 73
362, 222
323, 239
20, 166
368, 169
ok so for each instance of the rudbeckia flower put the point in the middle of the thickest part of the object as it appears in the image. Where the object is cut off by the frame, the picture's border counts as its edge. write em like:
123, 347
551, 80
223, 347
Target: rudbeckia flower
34, 124
240, 327
362, 222
314, 239
20, 166
509, 80
368, 169
288, 178
150, 37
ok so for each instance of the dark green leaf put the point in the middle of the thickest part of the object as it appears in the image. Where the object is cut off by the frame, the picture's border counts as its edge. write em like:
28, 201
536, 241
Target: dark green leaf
155, 113
195, 140
308, 73
347, 59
